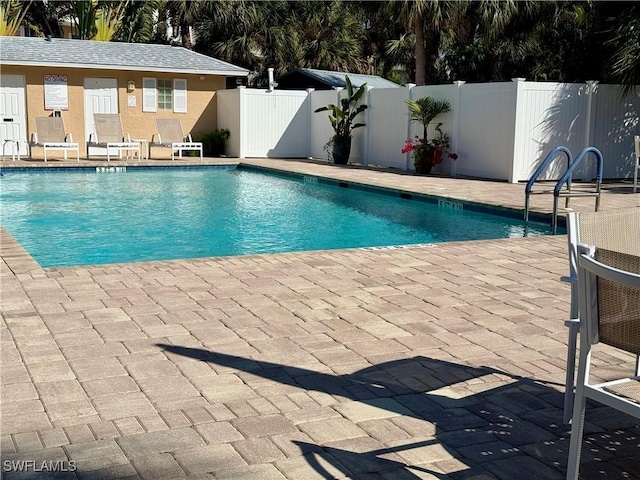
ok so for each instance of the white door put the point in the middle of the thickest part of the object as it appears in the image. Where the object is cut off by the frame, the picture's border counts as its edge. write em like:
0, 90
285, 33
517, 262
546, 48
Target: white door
13, 112
100, 96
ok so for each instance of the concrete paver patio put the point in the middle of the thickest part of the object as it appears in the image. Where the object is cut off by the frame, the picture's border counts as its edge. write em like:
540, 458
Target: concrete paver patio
440, 361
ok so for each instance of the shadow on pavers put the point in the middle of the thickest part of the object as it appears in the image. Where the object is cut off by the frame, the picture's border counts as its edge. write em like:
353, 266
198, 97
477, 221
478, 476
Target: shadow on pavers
504, 432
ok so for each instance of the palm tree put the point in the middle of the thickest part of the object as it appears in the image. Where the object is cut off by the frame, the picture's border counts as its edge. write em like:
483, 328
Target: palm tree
625, 63
283, 35
107, 22
42, 18
139, 22
250, 34
427, 19
401, 52
183, 15
425, 109
12, 13
329, 34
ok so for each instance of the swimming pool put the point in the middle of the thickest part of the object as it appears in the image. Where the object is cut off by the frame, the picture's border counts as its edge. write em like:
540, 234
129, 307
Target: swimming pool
84, 217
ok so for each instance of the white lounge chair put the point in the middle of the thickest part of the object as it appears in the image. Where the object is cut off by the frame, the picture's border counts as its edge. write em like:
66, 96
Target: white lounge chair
609, 292
109, 135
51, 135
170, 135
617, 230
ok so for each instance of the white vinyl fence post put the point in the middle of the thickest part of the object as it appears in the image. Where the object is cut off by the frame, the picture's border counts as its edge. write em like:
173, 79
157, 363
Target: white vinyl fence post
589, 173
309, 120
338, 90
367, 126
407, 156
243, 120
518, 137
457, 116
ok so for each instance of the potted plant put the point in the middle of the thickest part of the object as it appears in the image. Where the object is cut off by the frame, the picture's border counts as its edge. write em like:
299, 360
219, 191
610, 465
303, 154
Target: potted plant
342, 119
427, 153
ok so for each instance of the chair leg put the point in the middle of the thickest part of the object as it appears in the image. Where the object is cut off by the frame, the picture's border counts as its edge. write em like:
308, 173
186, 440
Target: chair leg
577, 432
579, 406
574, 328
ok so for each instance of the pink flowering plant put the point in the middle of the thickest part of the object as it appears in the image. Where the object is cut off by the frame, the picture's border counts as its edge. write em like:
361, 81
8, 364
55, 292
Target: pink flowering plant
427, 153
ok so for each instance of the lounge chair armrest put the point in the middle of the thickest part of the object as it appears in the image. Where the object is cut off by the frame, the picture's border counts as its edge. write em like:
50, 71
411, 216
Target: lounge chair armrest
188, 138
153, 138
68, 137
93, 138
34, 137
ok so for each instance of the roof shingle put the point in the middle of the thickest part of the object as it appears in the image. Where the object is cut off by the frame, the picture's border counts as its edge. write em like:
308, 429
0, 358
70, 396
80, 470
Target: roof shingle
60, 52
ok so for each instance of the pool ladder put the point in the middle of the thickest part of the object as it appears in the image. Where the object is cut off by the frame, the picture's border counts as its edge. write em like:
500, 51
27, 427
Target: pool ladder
563, 185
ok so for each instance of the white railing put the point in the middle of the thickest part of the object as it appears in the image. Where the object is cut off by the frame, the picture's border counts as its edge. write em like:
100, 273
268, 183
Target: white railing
499, 130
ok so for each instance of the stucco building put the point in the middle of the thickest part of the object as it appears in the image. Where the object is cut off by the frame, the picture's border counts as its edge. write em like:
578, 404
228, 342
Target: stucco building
77, 78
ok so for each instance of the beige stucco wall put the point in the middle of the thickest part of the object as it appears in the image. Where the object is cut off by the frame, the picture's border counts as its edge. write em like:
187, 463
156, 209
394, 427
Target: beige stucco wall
201, 102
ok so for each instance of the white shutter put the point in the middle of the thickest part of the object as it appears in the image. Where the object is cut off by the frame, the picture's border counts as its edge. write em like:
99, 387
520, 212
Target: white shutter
179, 95
149, 94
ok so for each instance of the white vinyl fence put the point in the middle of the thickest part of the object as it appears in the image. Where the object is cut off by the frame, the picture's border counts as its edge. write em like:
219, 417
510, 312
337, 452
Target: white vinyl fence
499, 130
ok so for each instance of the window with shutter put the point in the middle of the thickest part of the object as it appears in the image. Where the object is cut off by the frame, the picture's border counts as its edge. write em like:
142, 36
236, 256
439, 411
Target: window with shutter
180, 95
148, 94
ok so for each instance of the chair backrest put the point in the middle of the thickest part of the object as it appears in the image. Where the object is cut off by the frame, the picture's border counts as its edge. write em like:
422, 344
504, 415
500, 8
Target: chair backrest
613, 316
617, 230
636, 141
108, 127
170, 130
50, 129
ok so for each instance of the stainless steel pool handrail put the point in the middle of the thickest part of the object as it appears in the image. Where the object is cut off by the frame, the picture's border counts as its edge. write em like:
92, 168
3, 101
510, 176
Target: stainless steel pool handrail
566, 178
528, 191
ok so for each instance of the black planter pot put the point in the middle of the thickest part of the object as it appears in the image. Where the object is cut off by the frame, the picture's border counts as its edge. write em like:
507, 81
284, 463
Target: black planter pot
341, 150
424, 167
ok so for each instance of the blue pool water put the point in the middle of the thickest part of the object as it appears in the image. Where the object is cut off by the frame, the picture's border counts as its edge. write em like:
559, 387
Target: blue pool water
88, 218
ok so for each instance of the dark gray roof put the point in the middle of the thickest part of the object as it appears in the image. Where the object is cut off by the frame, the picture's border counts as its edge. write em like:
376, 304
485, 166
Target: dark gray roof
60, 52
337, 79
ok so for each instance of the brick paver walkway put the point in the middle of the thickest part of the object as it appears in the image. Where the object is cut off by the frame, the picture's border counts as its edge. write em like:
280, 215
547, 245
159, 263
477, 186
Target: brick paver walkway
443, 361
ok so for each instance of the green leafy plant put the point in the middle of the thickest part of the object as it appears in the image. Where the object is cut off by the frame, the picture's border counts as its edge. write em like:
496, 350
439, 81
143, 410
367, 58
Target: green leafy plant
342, 120
12, 13
213, 143
342, 117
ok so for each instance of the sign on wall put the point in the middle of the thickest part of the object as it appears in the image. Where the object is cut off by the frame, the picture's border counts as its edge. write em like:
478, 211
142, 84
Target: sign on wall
56, 96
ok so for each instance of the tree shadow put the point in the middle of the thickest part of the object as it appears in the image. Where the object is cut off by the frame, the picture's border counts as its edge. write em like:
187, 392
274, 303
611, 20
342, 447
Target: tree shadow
492, 423
613, 122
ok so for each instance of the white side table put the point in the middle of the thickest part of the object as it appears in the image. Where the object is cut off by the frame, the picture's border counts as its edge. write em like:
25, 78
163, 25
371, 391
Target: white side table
15, 148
